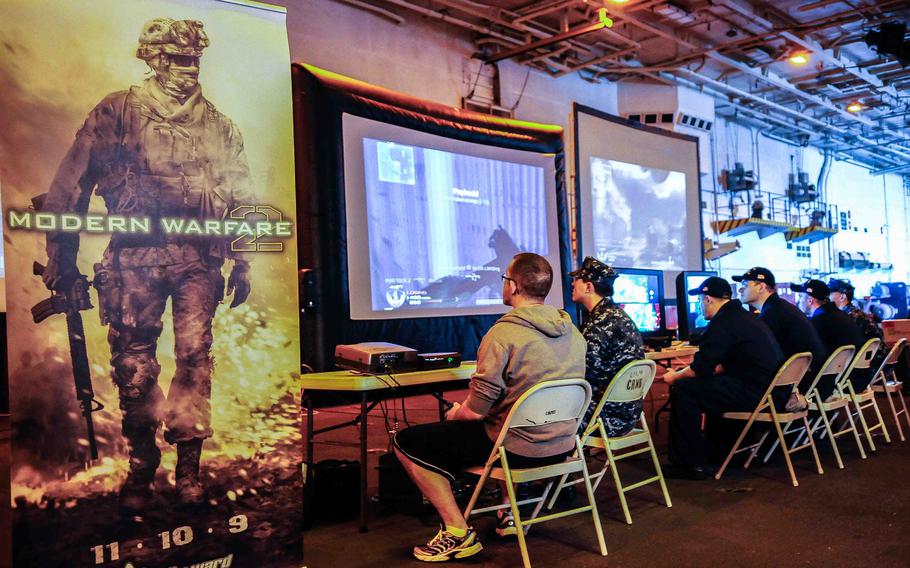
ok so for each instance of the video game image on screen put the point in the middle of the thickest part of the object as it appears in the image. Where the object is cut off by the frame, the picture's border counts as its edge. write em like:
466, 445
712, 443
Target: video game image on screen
639, 296
639, 215
443, 226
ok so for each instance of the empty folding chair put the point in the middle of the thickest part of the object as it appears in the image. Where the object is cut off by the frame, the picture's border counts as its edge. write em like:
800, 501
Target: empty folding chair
544, 403
865, 399
789, 375
630, 384
834, 367
881, 384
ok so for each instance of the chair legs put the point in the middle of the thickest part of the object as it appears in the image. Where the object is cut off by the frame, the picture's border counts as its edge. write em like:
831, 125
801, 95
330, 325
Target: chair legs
783, 444
896, 414
611, 464
595, 516
660, 473
516, 515
522, 525
862, 420
859, 442
754, 448
824, 418
735, 447
904, 411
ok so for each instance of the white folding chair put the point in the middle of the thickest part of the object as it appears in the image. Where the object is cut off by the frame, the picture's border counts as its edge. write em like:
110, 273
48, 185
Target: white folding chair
630, 384
562, 400
835, 366
881, 384
790, 374
865, 399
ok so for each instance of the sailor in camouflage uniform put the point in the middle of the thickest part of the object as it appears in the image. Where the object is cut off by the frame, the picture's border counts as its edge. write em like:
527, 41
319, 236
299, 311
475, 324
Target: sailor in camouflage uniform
842, 296
613, 341
156, 150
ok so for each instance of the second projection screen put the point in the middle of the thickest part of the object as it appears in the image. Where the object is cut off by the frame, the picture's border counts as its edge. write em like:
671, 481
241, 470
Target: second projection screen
638, 195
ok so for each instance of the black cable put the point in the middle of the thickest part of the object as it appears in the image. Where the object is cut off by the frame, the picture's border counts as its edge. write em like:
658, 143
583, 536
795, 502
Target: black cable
476, 79
521, 94
392, 378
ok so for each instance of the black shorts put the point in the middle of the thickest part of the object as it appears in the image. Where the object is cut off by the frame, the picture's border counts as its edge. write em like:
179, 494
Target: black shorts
454, 445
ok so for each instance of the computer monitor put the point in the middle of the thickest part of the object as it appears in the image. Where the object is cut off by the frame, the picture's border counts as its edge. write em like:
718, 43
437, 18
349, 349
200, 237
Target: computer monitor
783, 290
640, 294
690, 316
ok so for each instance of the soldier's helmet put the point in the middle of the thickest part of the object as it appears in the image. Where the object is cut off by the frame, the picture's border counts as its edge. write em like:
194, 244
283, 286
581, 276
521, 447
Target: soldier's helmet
174, 37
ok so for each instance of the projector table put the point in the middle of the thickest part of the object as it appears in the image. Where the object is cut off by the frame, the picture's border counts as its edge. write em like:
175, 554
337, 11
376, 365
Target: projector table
326, 389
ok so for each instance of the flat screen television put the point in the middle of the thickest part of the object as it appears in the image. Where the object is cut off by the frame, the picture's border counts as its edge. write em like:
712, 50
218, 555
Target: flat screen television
640, 293
690, 315
432, 222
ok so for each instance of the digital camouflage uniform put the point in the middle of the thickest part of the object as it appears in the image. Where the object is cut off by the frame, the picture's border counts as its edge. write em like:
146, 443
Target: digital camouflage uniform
862, 319
613, 341
150, 154
864, 322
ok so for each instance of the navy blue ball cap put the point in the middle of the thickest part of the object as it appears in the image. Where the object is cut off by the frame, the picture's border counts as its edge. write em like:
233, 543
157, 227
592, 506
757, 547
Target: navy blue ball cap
842, 286
757, 274
814, 288
714, 286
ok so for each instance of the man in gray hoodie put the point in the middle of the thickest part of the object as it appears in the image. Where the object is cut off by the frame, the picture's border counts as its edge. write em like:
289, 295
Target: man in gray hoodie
531, 344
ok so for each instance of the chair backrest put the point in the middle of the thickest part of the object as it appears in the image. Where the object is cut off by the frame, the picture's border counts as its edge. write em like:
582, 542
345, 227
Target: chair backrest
893, 356
835, 365
548, 402
895, 352
793, 370
862, 360
631, 383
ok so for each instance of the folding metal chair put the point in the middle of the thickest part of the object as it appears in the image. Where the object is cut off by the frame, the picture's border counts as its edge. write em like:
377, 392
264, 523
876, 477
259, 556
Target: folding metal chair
835, 366
631, 383
880, 384
790, 374
865, 399
545, 403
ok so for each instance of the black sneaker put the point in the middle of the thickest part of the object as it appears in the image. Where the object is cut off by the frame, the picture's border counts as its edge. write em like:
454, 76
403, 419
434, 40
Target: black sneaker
506, 526
672, 471
445, 546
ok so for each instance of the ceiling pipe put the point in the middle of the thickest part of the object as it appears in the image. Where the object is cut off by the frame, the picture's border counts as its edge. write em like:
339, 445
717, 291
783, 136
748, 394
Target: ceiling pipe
793, 113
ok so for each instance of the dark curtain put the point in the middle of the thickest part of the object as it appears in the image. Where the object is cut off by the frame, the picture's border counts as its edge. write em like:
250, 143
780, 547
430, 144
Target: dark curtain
320, 99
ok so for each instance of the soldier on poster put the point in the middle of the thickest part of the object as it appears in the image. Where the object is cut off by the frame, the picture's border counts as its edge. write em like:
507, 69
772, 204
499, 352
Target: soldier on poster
157, 150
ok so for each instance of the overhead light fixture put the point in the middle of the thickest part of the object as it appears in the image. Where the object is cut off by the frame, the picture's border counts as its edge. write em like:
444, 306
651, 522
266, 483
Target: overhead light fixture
798, 57
855, 106
619, 1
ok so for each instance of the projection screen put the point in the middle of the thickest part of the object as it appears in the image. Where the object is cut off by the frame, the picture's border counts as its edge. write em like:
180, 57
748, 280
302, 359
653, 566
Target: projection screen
637, 193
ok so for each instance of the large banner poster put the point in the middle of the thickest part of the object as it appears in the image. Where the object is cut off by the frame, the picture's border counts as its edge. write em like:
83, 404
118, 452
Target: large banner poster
146, 167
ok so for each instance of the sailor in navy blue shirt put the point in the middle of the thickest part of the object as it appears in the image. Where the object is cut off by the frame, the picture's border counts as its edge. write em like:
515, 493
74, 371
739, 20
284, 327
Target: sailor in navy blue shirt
736, 361
790, 326
834, 327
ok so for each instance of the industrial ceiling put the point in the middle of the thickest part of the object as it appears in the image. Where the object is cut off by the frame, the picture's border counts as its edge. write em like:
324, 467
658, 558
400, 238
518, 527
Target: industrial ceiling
738, 51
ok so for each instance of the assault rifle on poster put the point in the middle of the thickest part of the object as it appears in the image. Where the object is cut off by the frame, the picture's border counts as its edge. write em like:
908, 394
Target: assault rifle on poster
71, 302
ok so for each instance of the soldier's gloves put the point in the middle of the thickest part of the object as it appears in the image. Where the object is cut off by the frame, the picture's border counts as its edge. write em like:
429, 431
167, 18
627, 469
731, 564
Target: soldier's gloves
239, 283
59, 275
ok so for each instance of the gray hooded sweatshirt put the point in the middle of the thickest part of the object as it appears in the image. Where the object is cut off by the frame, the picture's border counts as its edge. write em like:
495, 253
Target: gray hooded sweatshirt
526, 346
